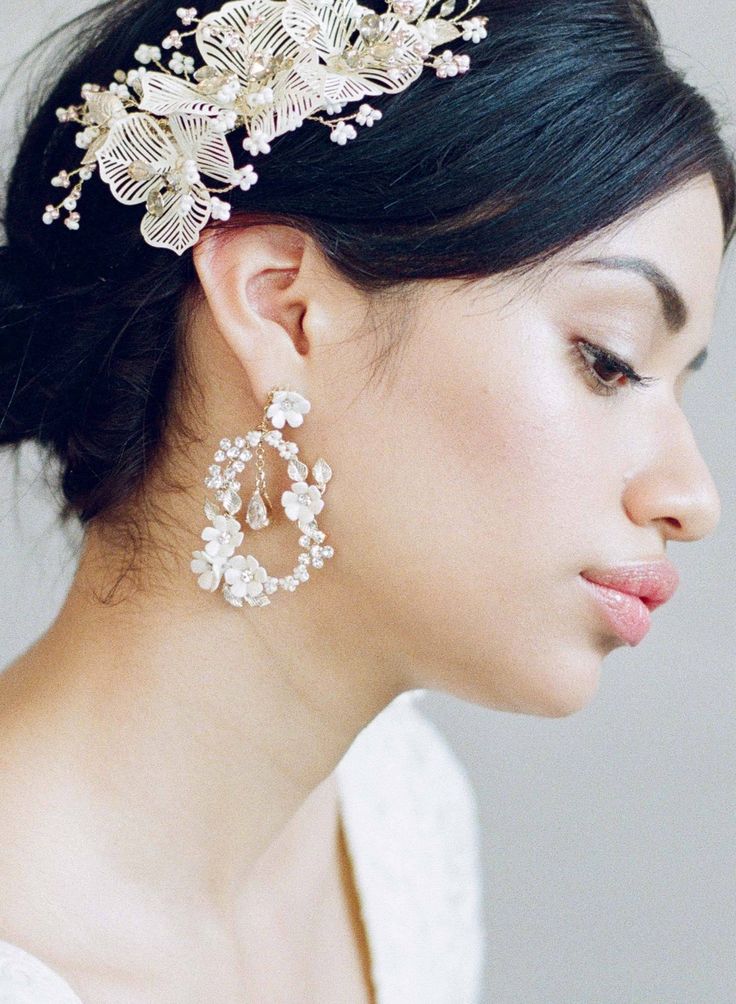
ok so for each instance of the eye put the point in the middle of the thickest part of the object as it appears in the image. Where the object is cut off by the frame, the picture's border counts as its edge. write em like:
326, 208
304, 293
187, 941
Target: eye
604, 370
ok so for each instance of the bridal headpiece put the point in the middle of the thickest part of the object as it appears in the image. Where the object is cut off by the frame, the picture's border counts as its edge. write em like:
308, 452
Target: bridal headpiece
268, 66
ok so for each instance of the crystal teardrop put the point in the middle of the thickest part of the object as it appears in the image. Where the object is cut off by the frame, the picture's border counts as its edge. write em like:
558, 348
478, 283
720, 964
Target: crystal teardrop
297, 470
322, 472
139, 170
155, 203
448, 7
232, 501
257, 516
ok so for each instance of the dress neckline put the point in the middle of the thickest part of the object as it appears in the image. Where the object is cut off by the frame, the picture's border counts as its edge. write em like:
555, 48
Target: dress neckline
32, 967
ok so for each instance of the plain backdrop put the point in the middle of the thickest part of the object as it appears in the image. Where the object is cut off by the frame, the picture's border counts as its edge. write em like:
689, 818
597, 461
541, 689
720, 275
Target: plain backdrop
608, 836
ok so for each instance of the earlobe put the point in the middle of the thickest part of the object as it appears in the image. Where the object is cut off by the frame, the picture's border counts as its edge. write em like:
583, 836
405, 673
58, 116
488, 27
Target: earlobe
248, 277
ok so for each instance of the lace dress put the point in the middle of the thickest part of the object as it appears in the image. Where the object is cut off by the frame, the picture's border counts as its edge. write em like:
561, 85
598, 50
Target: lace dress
411, 824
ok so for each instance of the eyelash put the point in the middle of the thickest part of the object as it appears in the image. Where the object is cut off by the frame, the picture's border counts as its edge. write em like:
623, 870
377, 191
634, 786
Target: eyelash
614, 362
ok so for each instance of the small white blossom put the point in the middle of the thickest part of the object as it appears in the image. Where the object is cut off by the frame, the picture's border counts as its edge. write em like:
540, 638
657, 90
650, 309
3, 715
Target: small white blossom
303, 503
186, 204
220, 209
190, 172
51, 214
208, 568
342, 132
72, 221
474, 29
260, 98
229, 91
172, 41
367, 116
245, 576
179, 63
135, 75
121, 90
448, 64
225, 121
61, 180
333, 107
186, 14
256, 143
288, 450
146, 54
247, 177
223, 537
63, 114
287, 406
84, 138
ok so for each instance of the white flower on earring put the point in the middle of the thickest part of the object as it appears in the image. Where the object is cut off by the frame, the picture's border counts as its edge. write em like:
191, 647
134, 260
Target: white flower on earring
287, 406
209, 570
245, 576
222, 537
303, 503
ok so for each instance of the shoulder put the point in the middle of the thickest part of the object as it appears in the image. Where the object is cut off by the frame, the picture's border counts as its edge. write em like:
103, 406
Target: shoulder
25, 979
411, 814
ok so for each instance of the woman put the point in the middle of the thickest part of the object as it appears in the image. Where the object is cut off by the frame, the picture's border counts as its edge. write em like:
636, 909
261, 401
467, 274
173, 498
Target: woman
478, 313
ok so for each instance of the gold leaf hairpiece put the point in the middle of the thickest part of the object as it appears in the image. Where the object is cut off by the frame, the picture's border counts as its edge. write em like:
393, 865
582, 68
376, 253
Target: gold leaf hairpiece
268, 66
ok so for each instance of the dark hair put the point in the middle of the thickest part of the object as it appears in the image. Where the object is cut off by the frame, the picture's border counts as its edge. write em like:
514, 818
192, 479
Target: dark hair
569, 119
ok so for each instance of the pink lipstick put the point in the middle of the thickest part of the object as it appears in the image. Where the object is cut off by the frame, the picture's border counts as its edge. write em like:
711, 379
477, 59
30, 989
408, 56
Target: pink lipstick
626, 594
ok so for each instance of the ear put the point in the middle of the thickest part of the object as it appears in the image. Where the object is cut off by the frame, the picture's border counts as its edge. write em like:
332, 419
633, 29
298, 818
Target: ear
256, 283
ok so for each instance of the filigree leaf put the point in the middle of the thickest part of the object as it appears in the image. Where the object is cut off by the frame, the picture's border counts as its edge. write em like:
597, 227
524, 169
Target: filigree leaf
297, 93
172, 229
268, 36
210, 510
209, 149
439, 32
165, 94
104, 107
322, 472
349, 86
297, 471
325, 25
138, 137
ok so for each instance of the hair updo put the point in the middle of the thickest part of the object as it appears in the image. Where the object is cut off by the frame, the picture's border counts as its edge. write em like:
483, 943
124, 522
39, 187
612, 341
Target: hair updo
569, 118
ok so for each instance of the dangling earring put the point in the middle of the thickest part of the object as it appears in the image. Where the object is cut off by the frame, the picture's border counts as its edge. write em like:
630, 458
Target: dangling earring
245, 581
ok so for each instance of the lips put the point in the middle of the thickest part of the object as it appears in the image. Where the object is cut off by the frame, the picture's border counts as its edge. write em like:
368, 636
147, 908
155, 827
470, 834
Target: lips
626, 594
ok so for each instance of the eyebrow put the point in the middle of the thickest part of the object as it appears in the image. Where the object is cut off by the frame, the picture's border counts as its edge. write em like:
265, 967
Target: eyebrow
672, 304
674, 311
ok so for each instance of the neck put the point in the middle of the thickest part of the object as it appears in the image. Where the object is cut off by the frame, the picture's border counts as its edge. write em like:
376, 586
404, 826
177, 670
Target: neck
193, 738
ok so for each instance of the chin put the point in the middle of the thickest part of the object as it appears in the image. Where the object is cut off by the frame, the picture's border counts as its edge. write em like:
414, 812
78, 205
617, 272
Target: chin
561, 687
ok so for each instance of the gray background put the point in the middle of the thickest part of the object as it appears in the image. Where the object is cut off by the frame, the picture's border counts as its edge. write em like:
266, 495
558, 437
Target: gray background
608, 836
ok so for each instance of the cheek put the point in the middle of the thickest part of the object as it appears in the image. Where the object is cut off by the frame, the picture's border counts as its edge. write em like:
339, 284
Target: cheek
481, 473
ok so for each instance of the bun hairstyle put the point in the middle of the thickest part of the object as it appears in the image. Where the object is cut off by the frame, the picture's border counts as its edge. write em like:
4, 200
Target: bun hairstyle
570, 119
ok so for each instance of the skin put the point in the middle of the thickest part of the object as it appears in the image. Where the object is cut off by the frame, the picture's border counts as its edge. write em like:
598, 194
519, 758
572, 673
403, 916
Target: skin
185, 749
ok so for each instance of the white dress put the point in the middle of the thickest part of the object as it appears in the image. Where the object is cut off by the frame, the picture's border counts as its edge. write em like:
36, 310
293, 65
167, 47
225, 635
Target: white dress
411, 824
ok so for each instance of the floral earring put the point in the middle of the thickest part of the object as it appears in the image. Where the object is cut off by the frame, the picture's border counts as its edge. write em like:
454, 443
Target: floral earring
245, 580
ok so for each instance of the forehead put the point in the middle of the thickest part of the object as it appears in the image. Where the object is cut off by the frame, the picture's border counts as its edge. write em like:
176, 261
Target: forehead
680, 233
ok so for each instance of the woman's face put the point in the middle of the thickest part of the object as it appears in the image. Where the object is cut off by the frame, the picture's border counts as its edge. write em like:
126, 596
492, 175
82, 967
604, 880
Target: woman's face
477, 482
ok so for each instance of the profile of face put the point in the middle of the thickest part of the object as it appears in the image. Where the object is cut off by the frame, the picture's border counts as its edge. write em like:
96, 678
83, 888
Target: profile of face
497, 456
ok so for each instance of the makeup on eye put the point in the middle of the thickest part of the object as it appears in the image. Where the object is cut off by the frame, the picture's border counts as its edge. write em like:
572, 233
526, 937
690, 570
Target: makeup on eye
589, 356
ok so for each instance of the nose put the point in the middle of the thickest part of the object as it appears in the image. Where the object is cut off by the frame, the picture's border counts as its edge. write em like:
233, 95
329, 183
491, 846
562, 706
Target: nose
674, 489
